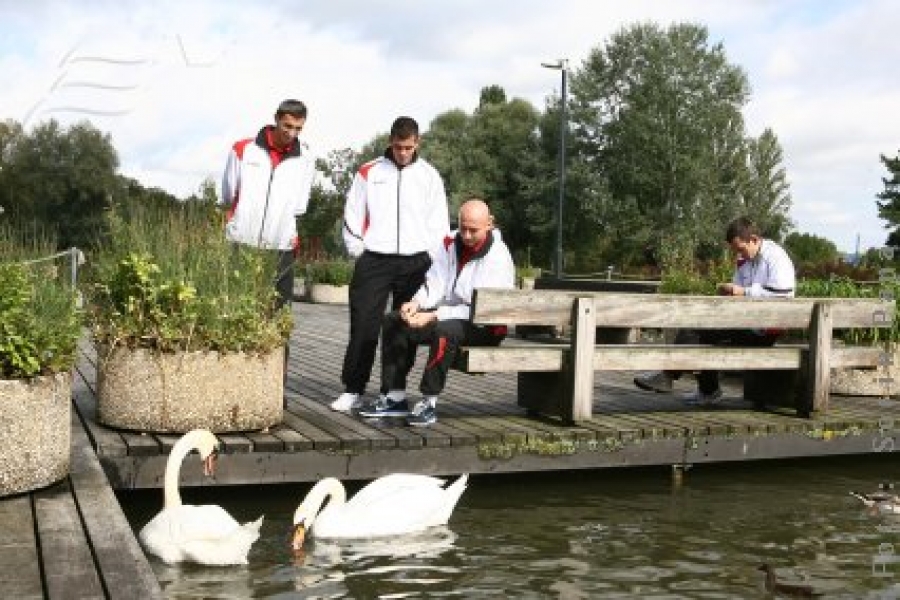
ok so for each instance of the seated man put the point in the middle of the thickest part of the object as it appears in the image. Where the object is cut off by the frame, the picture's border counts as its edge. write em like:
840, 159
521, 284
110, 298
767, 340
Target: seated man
764, 270
438, 314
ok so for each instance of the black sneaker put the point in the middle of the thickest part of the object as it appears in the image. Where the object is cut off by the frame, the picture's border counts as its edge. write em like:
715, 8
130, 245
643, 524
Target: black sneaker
423, 415
385, 406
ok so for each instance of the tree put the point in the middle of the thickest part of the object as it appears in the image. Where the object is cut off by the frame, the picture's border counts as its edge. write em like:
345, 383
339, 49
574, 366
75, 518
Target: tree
492, 153
889, 200
61, 178
658, 138
324, 214
808, 249
766, 195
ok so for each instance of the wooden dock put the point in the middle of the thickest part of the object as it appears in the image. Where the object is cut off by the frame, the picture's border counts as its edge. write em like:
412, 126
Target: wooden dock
480, 427
71, 539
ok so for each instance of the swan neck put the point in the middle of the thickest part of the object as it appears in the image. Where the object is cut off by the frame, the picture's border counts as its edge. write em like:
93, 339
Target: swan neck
330, 490
183, 447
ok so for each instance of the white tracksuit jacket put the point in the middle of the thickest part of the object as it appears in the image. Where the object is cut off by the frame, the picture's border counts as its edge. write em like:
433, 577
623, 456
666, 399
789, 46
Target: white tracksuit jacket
393, 210
449, 288
264, 202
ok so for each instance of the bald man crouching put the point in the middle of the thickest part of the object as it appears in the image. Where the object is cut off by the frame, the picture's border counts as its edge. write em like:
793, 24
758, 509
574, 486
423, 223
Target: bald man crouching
473, 257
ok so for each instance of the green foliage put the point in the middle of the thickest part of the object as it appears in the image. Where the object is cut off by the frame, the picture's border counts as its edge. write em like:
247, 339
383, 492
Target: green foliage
167, 279
844, 287
493, 153
889, 199
324, 215
658, 143
808, 250
60, 177
681, 274
39, 321
525, 271
329, 272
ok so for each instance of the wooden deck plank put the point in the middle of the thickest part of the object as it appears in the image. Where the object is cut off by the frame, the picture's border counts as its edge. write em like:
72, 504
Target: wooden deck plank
122, 564
65, 549
20, 571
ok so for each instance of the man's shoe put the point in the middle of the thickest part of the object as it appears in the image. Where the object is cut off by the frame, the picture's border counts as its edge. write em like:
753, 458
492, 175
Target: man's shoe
698, 398
385, 406
345, 402
654, 381
423, 414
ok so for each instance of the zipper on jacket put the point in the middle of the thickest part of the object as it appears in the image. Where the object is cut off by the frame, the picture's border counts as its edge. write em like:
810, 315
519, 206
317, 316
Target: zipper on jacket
262, 224
399, 177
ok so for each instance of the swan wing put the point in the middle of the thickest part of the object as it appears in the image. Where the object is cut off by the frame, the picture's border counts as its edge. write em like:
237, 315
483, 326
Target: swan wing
392, 505
206, 534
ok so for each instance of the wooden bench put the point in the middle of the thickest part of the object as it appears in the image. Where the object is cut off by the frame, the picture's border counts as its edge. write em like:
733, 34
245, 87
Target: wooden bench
557, 379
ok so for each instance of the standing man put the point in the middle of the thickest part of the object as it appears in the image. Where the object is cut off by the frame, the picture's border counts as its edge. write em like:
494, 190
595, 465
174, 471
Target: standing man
439, 315
764, 270
394, 218
265, 188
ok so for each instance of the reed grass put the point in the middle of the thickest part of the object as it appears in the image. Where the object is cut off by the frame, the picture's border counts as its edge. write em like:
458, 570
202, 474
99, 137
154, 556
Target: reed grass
167, 279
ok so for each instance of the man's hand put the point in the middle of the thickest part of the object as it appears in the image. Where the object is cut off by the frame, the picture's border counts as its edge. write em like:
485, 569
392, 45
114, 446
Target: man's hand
421, 319
408, 310
730, 289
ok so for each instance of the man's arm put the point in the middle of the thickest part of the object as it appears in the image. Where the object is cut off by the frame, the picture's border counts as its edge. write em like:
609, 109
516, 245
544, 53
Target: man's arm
354, 216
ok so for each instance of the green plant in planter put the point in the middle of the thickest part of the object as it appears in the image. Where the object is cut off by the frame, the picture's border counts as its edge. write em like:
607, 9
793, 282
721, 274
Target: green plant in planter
528, 271
329, 272
39, 319
168, 280
844, 287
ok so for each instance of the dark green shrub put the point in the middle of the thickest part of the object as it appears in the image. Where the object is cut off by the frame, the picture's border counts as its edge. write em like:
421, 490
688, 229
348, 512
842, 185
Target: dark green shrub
329, 272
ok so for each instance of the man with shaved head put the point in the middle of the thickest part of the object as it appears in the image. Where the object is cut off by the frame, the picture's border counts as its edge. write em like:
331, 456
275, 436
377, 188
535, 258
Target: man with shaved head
473, 257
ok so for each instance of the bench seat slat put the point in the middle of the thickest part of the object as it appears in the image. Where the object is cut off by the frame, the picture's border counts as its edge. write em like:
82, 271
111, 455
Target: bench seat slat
639, 357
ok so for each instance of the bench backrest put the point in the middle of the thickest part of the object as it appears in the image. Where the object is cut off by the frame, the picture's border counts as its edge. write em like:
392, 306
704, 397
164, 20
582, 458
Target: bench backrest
614, 309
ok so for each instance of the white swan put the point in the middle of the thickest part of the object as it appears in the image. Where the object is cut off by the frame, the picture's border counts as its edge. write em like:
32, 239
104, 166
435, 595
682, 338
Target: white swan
205, 534
391, 505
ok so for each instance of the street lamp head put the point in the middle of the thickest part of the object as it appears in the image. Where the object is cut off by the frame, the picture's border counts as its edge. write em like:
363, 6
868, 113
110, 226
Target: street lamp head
562, 63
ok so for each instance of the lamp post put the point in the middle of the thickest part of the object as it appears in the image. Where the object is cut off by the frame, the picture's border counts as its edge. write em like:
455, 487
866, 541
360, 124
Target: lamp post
562, 65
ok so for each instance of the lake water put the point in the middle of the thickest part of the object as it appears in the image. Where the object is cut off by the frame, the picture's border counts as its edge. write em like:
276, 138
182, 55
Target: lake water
581, 534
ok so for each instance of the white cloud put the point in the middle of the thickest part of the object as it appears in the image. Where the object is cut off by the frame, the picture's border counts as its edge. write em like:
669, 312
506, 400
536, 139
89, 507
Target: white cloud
214, 72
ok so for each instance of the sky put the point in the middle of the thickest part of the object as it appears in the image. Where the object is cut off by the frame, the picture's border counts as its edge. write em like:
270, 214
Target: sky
176, 82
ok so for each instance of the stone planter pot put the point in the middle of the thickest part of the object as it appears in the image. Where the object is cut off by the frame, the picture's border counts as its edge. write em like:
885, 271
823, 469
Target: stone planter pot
867, 382
323, 293
299, 289
176, 392
36, 432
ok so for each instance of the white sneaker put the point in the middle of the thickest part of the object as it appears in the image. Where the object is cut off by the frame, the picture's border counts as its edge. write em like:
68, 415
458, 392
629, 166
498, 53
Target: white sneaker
699, 398
345, 402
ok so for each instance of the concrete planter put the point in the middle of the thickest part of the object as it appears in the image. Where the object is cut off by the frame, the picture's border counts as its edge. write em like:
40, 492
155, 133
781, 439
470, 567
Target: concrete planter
323, 293
36, 429
867, 382
176, 392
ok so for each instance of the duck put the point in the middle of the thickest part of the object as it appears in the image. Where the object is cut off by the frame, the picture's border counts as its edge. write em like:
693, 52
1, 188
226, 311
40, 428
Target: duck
204, 534
884, 500
396, 504
795, 590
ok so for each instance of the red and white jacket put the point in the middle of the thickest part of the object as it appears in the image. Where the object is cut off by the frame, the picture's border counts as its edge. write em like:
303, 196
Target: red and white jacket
456, 272
393, 210
263, 200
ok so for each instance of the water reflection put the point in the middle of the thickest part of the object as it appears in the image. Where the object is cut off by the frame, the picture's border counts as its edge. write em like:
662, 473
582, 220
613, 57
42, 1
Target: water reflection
599, 534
